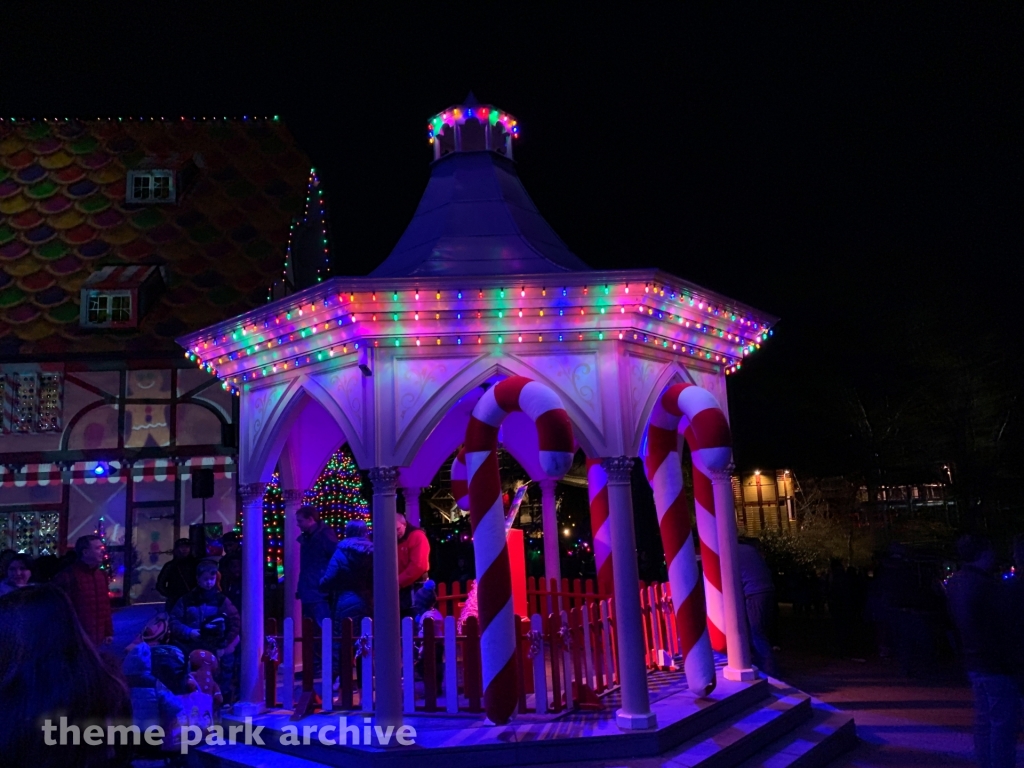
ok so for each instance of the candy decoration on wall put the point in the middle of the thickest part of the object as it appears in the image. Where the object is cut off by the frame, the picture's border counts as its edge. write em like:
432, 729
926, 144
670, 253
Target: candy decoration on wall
597, 486
487, 517
693, 411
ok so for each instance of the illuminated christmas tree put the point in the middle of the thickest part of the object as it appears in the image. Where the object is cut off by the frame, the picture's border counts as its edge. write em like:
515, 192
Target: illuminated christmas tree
273, 526
337, 493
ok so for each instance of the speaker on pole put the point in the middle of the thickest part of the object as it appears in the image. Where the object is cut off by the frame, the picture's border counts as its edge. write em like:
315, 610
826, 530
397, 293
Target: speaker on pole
202, 483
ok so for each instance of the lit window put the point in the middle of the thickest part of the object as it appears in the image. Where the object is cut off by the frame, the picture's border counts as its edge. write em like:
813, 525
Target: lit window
150, 187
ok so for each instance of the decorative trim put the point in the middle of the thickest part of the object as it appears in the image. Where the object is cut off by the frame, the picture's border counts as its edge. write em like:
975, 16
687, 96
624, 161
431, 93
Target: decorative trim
384, 479
619, 469
252, 493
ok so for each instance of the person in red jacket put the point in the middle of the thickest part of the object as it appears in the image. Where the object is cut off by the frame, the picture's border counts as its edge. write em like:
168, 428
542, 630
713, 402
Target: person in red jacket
86, 585
413, 561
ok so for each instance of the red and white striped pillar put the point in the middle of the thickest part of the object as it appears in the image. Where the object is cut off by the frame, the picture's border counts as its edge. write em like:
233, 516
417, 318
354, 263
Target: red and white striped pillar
487, 516
597, 488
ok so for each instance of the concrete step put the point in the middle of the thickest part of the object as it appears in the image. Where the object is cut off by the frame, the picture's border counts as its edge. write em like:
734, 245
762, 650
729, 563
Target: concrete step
734, 740
724, 745
814, 744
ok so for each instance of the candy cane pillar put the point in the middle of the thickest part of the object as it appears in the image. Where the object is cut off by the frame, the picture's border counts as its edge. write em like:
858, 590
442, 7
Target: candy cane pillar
737, 639
549, 524
251, 696
635, 713
597, 488
387, 630
665, 474
487, 516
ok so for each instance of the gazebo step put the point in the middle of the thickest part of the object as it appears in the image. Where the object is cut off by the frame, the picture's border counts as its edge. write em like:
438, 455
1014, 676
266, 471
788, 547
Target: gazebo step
828, 734
736, 739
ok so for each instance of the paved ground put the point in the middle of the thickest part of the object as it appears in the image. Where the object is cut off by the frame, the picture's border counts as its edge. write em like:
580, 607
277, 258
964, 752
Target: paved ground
901, 721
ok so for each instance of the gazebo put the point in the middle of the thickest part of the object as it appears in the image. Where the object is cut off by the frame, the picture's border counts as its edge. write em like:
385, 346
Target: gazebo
479, 289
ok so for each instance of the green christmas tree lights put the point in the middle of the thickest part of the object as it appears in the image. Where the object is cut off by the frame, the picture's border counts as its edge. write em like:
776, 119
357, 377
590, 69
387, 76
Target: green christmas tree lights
337, 493
273, 526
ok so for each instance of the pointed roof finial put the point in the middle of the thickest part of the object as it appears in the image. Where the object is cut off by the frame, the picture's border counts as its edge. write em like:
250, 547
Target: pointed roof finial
470, 100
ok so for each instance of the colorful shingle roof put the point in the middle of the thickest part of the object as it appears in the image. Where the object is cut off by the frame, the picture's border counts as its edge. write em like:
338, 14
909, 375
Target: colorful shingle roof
63, 216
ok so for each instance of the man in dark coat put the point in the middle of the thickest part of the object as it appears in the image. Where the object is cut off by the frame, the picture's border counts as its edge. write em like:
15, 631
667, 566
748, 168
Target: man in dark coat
349, 575
87, 586
178, 576
316, 547
979, 606
759, 598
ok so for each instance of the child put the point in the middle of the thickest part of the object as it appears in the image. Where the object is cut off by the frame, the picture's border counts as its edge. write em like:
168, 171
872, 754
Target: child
205, 619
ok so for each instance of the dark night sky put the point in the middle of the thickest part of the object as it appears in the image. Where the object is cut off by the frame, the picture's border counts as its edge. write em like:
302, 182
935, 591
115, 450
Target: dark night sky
840, 167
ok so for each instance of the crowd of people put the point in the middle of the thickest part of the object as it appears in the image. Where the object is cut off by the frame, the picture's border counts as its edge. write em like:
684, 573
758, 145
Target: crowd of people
78, 674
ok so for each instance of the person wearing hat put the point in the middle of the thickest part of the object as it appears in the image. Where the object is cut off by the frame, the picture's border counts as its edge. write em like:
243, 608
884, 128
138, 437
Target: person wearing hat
178, 577
349, 575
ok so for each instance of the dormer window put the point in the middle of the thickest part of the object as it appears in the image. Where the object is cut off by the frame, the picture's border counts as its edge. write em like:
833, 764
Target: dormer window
117, 297
151, 186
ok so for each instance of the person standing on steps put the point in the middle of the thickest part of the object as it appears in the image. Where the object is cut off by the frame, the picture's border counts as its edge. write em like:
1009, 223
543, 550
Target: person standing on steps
759, 598
980, 609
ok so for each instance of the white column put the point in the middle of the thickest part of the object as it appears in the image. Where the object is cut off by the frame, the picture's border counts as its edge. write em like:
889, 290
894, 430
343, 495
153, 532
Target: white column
412, 505
549, 522
736, 637
635, 713
387, 637
251, 697
292, 607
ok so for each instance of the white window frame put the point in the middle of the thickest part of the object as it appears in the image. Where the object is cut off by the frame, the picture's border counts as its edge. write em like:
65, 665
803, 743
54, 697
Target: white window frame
151, 176
107, 297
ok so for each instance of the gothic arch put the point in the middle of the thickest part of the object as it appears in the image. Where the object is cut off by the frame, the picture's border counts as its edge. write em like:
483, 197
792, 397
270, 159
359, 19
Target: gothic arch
265, 446
476, 373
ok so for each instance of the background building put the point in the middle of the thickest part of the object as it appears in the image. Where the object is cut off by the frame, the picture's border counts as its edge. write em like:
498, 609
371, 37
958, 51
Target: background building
116, 236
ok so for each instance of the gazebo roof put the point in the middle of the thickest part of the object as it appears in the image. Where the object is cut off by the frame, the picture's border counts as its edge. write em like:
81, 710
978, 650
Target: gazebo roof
476, 218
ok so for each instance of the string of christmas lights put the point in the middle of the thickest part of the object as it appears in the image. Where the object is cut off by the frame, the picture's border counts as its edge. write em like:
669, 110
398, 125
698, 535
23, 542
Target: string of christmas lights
675, 320
273, 526
315, 206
